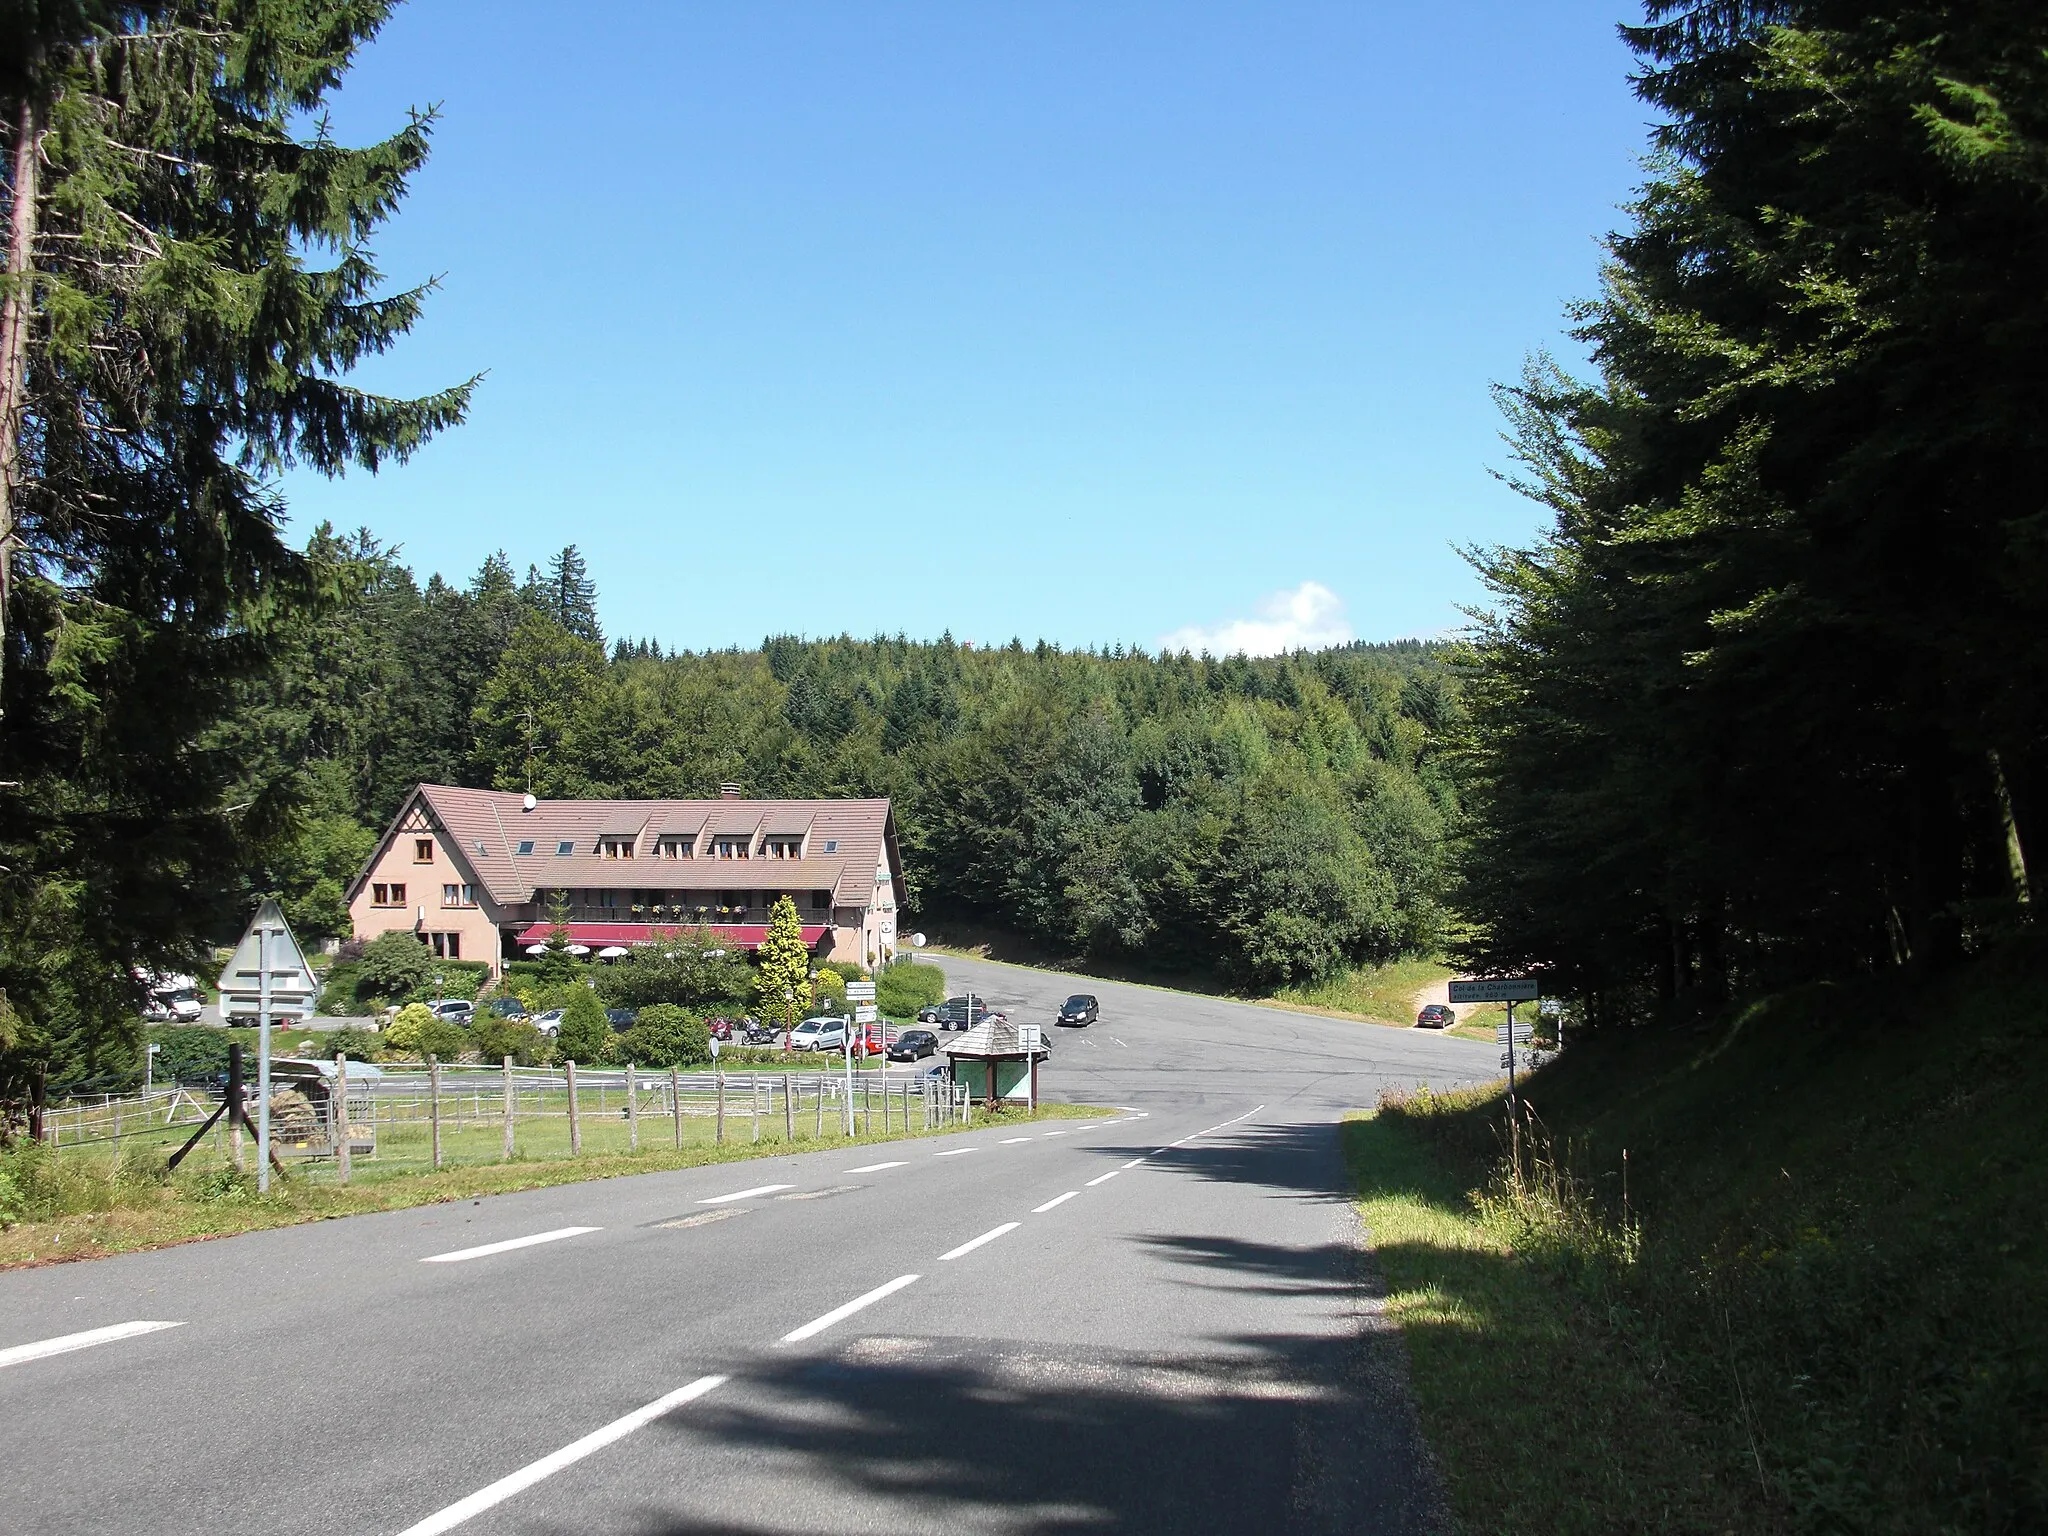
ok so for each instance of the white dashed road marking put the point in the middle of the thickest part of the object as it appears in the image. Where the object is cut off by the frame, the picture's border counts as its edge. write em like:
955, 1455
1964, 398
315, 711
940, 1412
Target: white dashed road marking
64, 1344
975, 1242
840, 1314
747, 1194
1040, 1210
876, 1167
503, 1489
507, 1246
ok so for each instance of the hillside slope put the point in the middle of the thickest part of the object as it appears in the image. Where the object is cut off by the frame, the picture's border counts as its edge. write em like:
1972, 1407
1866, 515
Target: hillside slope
1825, 1290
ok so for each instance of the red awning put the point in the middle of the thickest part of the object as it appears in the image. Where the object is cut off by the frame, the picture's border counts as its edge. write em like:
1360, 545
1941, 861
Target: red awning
599, 935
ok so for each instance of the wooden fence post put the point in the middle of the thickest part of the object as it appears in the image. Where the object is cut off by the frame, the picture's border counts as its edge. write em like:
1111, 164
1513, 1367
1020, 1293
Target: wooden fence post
575, 1124
632, 1109
338, 1121
234, 1102
434, 1107
508, 1109
788, 1109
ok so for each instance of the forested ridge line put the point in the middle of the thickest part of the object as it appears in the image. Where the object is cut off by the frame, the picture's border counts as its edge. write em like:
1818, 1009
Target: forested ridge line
1268, 819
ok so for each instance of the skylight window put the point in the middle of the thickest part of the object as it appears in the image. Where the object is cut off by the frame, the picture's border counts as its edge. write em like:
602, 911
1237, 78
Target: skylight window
564, 848
831, 845
526, 845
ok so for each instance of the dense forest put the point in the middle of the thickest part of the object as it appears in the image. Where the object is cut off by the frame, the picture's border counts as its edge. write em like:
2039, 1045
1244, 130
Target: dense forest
1769, 701
1270, 819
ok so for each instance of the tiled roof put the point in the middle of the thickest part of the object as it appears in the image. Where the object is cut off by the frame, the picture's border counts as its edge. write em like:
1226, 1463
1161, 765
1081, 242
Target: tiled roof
991, 1037
486, 827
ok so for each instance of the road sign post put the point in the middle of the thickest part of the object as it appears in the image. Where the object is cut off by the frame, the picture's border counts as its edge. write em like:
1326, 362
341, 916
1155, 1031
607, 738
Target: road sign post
269, 971
1501, 989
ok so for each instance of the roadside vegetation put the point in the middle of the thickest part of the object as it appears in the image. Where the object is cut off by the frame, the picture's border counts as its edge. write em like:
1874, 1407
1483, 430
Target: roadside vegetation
79, 1204
1784, 1273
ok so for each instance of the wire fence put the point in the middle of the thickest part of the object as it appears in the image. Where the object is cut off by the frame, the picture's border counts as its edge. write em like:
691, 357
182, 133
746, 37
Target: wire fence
409, 1117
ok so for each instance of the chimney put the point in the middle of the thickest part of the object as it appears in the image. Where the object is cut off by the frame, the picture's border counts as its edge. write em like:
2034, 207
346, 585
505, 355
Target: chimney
728, 791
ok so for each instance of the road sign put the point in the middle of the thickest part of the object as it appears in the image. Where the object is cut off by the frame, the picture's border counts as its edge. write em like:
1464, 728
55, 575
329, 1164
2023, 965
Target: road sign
1523, 1033
1507, 1061
268, 946
1508, 989
860, 991
1550, 1007
1030, 1037
864, 1013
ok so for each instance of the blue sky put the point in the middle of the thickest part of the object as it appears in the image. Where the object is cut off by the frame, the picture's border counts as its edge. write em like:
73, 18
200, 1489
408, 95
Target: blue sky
1091, 322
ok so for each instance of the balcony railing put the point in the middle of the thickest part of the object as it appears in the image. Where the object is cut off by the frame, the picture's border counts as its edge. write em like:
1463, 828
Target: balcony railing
663, 915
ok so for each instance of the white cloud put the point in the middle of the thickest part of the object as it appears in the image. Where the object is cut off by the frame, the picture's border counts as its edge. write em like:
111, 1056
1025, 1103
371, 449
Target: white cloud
1308, 617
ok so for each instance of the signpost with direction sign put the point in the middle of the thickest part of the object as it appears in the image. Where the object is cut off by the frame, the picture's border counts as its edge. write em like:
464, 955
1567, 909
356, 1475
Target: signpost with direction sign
267, 975
1503, 989
861, 994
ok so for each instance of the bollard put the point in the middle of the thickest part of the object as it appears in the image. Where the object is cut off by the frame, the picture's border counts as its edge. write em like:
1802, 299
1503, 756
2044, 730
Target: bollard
675, 1099
632, 1109
338, 1121
508, 1109
575, 1124
434, 1105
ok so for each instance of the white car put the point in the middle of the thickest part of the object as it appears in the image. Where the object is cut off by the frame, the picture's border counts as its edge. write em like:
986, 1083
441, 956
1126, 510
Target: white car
174, 1008
549, 1023
457, 1010
822, 1034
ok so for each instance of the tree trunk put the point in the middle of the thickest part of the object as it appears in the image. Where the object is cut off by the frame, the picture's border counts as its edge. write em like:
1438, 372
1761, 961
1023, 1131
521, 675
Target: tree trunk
2009, 816
15, 310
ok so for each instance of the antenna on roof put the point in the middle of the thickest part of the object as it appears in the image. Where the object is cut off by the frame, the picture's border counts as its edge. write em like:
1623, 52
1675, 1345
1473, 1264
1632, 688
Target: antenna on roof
529, 802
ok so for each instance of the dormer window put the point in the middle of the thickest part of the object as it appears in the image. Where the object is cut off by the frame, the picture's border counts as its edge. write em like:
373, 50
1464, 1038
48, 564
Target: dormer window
676, 848
783, 848
731, 847
615, 847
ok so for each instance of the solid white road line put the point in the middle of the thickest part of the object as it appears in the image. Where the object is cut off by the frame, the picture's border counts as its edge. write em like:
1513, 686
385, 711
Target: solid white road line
975, 1242
44, 1348
840, 1314
746, 1194
957, 1152
507, 1246
503, 1489
1104, 1179
1011, 1141
1040, 1210
876, 1167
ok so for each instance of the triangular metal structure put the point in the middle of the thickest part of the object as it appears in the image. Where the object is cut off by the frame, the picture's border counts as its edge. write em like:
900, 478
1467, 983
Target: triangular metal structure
268, 945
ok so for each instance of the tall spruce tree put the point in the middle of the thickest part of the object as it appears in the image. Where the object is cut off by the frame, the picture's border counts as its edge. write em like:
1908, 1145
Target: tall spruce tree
188, 283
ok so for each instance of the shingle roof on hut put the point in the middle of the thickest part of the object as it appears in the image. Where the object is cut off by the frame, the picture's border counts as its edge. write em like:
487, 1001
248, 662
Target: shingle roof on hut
992, 1039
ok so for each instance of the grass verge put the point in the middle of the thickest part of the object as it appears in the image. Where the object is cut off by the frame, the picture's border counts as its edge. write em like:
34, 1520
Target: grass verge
1784, 1274
78, 1206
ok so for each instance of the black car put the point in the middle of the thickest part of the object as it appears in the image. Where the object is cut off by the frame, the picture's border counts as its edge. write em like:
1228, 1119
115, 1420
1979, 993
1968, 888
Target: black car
622, 1019
912, 1044
1078, 1011
1435, 1016
955, 1012
505, 1008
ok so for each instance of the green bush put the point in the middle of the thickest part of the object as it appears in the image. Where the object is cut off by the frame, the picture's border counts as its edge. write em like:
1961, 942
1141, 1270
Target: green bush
585, 1031
355, 1044
666, 1036
688, 969
846, 970
828, 992
498, 1038
452, 978
338, 992
188, 1051
404, 1031
904, 986
394, 965
444, 1038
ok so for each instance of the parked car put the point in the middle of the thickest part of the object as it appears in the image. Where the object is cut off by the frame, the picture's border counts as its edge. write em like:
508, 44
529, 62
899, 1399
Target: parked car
821, 1034
1078, 1011
456, 1010
622, 1019
505, 1008
956, 1012
549, 1023
868, 1040
913, 1044
174, 1008
1435, 1016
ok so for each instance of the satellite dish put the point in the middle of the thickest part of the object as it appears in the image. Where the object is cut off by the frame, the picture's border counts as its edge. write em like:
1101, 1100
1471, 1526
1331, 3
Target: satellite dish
917, 941
530, 802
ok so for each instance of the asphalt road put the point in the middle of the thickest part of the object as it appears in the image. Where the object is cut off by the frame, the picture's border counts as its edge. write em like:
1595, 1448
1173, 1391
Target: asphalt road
1152, 1322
